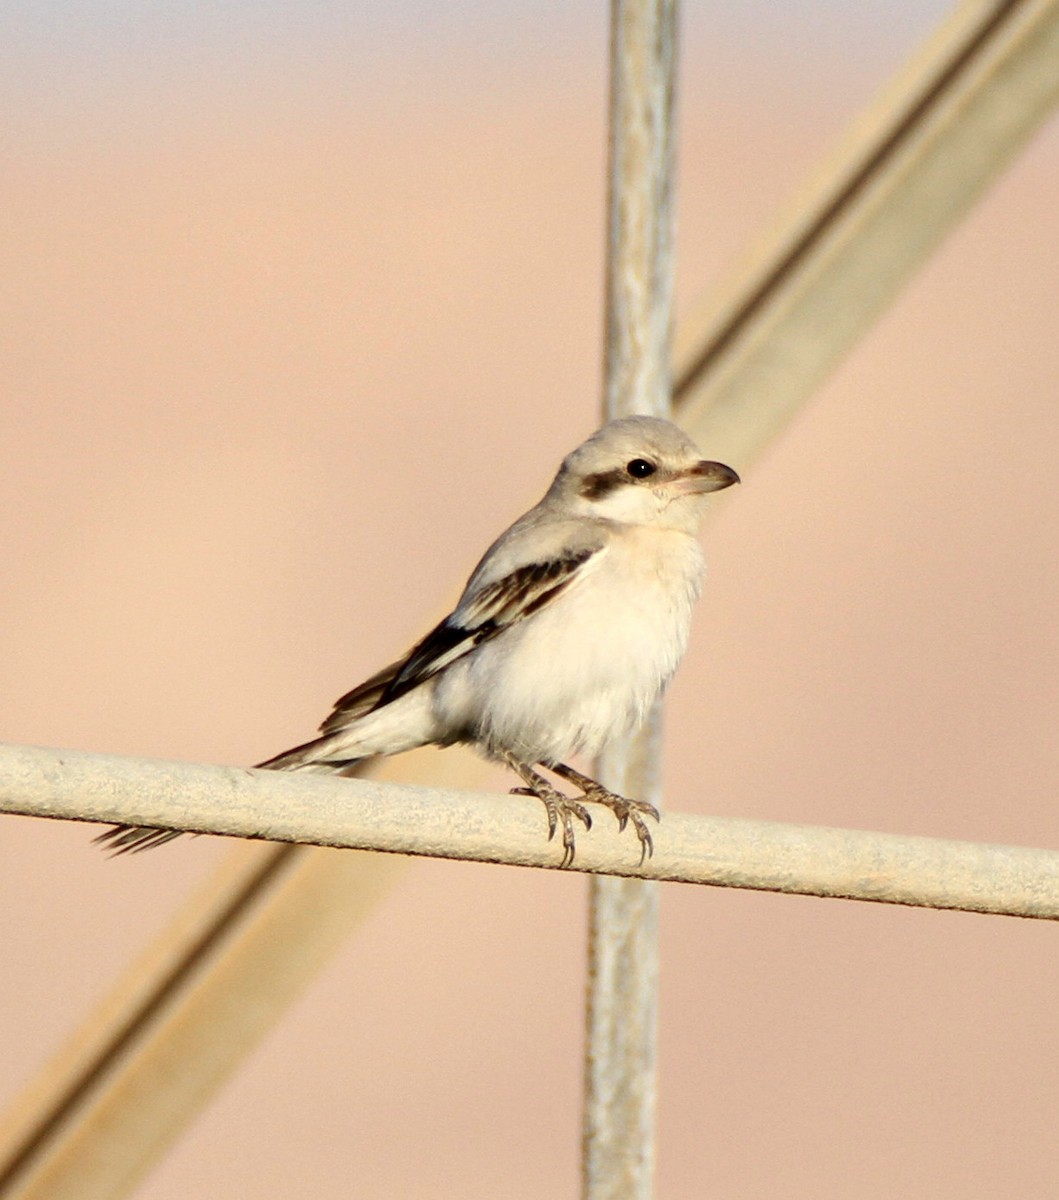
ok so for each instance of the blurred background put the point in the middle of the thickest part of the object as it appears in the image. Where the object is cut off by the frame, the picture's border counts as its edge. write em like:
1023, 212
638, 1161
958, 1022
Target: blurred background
299, 305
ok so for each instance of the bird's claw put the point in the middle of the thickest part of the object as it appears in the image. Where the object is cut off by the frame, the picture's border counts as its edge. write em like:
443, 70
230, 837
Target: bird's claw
647, 845
562, 809
627, 811
631, 813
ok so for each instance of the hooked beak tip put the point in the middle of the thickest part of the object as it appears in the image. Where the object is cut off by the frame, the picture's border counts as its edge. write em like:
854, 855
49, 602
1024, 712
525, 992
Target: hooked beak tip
711, 477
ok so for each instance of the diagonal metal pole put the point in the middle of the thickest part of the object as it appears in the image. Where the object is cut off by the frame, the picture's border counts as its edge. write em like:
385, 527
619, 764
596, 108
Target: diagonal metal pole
622, 1009
908, 168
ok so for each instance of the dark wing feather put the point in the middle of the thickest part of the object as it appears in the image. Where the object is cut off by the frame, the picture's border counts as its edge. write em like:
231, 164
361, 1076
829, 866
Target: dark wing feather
518, 595
362, 699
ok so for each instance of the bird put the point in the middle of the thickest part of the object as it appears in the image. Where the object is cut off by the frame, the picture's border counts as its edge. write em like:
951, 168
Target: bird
568, 629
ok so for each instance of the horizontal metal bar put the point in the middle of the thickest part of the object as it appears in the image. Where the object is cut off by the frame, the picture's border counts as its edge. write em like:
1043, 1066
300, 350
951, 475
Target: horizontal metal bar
487, 827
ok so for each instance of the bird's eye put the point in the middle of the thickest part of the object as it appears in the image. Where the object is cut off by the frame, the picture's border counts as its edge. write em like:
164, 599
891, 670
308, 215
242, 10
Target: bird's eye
640, 468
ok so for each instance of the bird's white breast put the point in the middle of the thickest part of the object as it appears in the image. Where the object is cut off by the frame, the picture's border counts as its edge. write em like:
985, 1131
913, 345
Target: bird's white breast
586, 667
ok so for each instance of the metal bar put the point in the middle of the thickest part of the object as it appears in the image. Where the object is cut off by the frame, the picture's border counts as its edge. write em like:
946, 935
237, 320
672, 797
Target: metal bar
173, 1031
489, 827
639, 285
202, 996
754, 349
621, 1035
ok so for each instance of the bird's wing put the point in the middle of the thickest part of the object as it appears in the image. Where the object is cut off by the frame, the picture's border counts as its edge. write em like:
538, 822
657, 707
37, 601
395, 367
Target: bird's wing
480, 615
362, 699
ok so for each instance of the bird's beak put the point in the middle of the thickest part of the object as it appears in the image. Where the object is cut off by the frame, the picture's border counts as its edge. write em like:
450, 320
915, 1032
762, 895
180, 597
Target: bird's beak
705, 477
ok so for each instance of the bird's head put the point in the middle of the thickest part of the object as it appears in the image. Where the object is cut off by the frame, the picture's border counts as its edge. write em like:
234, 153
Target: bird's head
640, 471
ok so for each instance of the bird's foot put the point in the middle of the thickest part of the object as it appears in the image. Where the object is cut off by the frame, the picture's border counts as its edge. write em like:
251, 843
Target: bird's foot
561, 810
628, 812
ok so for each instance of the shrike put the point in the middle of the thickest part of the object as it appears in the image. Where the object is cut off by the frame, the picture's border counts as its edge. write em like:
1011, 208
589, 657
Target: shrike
568, 629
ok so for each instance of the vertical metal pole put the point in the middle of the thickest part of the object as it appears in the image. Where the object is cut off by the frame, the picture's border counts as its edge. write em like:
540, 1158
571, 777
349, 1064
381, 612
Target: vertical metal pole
619, 1112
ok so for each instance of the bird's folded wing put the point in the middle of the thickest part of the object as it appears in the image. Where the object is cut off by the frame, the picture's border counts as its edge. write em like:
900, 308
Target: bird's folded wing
480, 616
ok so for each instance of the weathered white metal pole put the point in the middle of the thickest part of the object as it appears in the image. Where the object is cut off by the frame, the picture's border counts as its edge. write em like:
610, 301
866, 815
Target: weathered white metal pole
622, 1016
479, 826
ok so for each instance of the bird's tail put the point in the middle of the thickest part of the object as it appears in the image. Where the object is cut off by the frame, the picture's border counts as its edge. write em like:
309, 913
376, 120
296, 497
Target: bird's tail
328, 754
322, 755
129, 839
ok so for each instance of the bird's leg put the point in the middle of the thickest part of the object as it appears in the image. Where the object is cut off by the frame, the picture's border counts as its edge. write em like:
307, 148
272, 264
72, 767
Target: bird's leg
560, 808
625, 810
